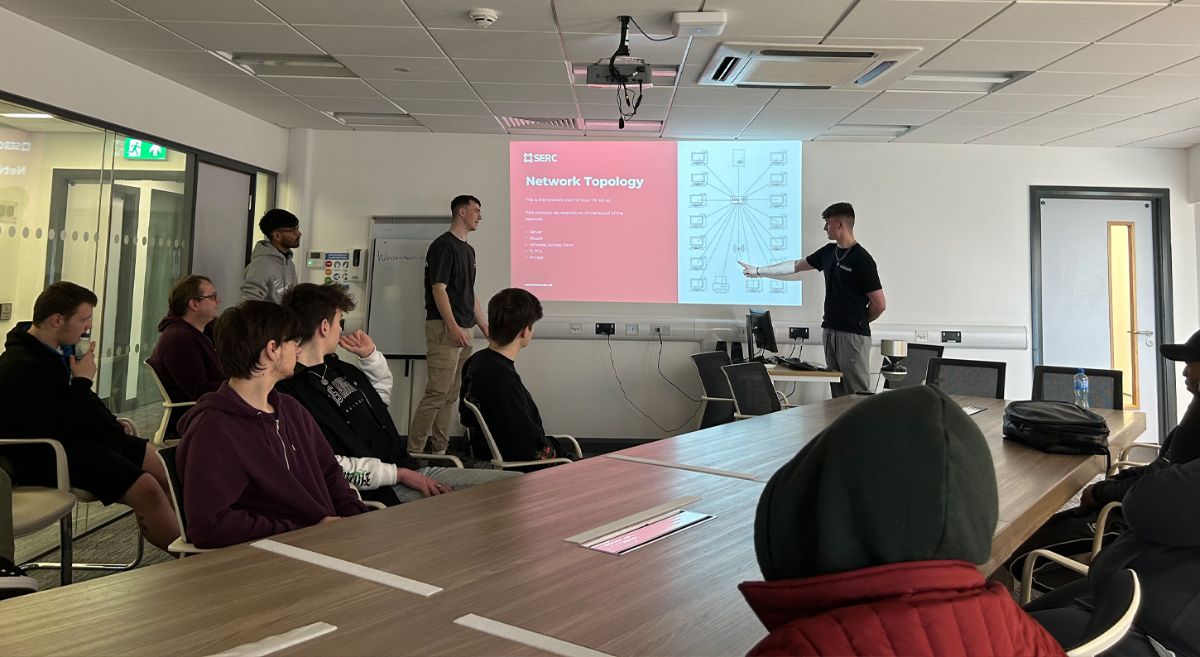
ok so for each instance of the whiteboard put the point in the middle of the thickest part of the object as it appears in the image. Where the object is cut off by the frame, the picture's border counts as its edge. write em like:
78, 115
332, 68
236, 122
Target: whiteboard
396, 310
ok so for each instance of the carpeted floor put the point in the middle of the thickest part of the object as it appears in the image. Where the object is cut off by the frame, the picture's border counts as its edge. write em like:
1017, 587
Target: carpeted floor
115, 542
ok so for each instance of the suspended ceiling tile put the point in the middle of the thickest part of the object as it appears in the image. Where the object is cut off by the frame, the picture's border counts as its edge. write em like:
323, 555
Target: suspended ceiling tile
527, 93
243, 37
494, 70
385, 13
1097, 138
589, 16
174, 63
821, 98
39, 9
1176, 24
609, 111
721, 97
281, 110
233, 11
1055, 21
586, 48
891, 117
1160, 86
772, 114
364, 40
1066, 120
1157, 123
800, 131
402, 68
1025, 136
495, 44
225, 84
944, 134
608, 96
345, 87
468, 124
1189, 108
453, 107
1124, 58
109, 34
425, 89
341, 104
908, 100
999, 56
1085, 84
1121, 105
521, 15
996, 102
915, 19
535, 110
992, 120
789, 18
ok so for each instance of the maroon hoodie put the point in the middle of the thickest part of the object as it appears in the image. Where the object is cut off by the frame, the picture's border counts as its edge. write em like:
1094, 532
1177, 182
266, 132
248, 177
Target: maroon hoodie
248, 474
186, 362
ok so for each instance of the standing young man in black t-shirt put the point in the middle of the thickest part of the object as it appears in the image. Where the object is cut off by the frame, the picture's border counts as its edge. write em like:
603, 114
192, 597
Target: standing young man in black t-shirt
853, 297
451, 310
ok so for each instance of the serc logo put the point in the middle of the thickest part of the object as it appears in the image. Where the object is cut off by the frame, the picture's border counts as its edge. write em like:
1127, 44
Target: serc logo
529, 158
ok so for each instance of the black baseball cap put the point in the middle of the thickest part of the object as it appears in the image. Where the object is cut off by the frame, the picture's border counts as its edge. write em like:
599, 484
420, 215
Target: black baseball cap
1188, 352
275, 219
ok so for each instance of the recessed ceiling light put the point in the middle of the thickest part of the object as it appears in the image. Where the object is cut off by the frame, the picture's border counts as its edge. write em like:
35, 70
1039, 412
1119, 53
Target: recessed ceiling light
268, 65
364, 119
978, 82
401, 69
848, 130
27, 115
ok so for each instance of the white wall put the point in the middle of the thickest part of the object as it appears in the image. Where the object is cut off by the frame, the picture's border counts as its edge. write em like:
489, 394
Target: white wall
50, 67
948, 225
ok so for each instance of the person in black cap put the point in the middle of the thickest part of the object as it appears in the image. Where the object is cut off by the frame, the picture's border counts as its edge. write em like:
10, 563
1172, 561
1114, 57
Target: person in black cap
870, 536
1161, 543
271, 271
1070, 532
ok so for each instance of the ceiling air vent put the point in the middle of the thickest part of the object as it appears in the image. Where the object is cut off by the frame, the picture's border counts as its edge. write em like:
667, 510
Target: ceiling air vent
526, 124
807, 66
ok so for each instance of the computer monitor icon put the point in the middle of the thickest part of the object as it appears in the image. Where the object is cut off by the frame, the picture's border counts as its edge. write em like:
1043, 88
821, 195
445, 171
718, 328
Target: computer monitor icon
778, 158
699, 157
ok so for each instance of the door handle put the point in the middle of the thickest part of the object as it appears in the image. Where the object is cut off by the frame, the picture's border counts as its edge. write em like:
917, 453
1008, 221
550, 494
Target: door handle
1140, 332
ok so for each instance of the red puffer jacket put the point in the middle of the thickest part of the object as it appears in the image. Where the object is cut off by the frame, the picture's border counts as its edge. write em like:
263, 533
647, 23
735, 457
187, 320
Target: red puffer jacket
941, 608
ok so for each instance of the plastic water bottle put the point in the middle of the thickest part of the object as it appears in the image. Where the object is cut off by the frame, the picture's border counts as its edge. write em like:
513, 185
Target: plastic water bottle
1081, 389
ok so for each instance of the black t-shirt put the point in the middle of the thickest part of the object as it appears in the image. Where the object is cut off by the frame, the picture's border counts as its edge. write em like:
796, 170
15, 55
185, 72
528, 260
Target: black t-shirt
451, 261
849, 275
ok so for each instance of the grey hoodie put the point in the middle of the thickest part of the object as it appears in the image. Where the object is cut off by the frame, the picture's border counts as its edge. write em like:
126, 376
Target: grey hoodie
269, 274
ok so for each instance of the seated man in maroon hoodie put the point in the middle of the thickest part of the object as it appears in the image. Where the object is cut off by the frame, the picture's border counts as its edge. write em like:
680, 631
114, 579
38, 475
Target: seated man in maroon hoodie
253, 462
184, 358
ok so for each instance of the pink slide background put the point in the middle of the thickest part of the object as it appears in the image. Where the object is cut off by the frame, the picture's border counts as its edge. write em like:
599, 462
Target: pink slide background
576, 252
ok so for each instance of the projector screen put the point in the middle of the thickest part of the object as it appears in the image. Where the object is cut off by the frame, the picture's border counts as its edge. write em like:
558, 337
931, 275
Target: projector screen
654, 221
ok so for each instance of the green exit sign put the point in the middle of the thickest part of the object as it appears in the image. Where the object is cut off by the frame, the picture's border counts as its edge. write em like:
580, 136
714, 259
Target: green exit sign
140, 149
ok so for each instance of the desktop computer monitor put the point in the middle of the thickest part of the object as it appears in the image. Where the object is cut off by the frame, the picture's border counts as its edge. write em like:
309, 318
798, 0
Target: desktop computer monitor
759, 332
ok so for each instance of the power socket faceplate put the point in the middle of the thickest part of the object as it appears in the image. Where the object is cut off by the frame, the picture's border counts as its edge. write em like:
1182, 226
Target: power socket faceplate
660, 329
606, 328
797, 332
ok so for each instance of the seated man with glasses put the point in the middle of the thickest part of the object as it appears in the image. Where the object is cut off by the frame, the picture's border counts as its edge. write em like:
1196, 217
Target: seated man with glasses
184, 358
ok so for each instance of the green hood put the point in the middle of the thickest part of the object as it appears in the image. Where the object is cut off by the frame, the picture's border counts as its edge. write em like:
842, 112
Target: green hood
901, 476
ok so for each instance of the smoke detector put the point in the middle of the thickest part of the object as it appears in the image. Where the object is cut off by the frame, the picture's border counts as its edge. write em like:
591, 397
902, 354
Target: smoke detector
483, 17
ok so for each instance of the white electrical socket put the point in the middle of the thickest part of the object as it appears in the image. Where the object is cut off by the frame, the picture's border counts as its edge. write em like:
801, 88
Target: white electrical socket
632, 329
922, 336
661, 329
576, 329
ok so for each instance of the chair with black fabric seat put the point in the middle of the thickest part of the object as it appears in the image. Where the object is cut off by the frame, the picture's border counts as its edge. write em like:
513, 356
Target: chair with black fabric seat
181, 545
753, 391
717, 398
1054, 383
481, 430
917, 364
973, 378
1113, 614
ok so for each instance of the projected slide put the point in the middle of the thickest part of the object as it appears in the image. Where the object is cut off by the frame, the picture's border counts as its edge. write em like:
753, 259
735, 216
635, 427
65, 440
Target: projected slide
654, 222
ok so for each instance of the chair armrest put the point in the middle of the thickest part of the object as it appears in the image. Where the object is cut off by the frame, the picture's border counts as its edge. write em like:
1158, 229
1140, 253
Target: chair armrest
454, 460
715, 399
1124, 456
1027, 571
178, 404
374, 506
1118, 466
570, 439
1101, 520
62, 479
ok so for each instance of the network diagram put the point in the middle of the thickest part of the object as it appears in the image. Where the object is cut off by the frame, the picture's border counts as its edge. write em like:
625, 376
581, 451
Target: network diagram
737, 201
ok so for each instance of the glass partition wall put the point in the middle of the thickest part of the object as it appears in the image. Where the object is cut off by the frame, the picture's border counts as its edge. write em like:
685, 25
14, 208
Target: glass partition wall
107, 211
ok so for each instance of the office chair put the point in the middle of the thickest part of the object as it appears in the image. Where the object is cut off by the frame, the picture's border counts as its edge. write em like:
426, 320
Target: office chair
1058, 384
917, 364
1113, 614
181, 545
973, 378
497, 457
36, 507
753, 391
717, 398
160, 434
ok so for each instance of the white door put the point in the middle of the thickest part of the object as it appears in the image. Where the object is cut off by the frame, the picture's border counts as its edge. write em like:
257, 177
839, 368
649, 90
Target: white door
1097, 284
222, 209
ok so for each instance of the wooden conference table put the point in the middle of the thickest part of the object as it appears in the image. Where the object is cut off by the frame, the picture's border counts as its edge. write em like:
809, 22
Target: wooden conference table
500, 552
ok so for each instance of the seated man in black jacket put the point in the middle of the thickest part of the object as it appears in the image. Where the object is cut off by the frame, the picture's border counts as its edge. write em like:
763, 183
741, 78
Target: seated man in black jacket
490, 381
350, 404
46, 392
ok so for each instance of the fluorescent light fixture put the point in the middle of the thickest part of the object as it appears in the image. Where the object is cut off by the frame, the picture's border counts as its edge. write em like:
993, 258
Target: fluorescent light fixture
267, 65
375, 119
978, 82
27, 115
593, 125
847, 130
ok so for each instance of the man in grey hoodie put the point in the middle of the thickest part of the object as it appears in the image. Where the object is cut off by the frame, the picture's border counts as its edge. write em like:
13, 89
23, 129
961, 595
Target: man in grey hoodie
271, 271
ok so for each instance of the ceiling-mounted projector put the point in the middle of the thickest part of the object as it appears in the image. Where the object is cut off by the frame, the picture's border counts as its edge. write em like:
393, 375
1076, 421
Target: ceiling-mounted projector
623, 69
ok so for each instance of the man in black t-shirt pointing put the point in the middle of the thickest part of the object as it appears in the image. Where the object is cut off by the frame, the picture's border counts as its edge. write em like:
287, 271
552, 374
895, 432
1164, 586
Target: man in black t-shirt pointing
853, 297
451, 311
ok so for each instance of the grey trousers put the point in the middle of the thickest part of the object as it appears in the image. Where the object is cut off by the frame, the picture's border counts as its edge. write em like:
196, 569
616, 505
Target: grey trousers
850, 354
455, 478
